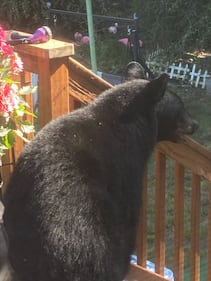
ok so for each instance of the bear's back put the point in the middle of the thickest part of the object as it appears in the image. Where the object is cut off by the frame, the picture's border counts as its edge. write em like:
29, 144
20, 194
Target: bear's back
72, 203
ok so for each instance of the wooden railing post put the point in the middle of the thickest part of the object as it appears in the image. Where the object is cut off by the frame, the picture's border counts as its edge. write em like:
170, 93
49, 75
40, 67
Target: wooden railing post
50, 61
195, 230
209, 238
160, 212
142, 227
179, 223
53, 89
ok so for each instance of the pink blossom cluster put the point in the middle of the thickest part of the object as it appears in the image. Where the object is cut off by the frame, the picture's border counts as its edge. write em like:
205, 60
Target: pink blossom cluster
113, 29
81, 39
8, 99
126, 42
10, 65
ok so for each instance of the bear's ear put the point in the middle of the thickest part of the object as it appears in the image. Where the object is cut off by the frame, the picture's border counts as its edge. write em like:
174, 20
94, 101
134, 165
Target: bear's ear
147, 99
156, 88
134, 70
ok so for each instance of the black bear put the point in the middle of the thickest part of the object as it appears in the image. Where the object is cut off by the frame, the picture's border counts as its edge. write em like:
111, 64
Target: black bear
173, 118
73, 200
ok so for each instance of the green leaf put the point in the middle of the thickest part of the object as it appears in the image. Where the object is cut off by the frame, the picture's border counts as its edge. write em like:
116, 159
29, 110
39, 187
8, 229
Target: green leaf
27, 127
30, 113
4, 74
19, 133
9, 140
21, 110
11, 124
9, 80
26, 90
4, 132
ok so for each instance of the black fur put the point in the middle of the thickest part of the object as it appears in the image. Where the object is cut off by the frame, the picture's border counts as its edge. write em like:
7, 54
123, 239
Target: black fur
73, 200
173, 118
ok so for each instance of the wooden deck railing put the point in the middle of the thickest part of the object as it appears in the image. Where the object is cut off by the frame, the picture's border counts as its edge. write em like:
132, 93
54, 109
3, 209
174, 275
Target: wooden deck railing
184, 183
189, 194
178, 190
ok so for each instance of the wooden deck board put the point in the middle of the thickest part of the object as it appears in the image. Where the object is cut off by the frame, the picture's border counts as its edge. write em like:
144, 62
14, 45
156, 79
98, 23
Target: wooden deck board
138, 273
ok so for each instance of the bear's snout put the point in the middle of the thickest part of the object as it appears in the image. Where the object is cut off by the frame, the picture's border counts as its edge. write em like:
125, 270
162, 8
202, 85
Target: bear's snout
189, 129
193, 127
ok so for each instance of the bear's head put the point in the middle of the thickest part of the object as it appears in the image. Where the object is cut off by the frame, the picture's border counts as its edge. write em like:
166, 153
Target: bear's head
173, 118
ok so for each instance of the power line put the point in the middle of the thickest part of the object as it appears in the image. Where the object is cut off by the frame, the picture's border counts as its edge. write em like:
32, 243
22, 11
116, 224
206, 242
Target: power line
102, 17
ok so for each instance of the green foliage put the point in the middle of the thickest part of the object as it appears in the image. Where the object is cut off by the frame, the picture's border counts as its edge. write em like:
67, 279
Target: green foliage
107, 51
22, 14
176, 26
176, 23
179, 24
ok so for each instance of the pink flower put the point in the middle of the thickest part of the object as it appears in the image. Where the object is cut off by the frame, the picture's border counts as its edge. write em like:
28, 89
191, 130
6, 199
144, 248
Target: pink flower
8, 56
125, 42
16, 64
5, 49
78, 36
12, 106
2, 34
8, 99
85, 40
10, 64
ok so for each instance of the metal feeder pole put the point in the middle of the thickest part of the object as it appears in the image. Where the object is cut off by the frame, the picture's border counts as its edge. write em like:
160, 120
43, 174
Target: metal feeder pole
91, 35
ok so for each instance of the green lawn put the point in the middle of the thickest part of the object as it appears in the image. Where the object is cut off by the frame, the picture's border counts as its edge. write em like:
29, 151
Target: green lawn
203, 271
198, 103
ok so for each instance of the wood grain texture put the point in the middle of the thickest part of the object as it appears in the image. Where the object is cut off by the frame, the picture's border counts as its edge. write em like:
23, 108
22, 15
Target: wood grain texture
138, 273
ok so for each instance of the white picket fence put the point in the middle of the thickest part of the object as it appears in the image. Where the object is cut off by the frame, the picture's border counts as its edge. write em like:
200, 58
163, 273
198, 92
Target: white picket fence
196, 77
